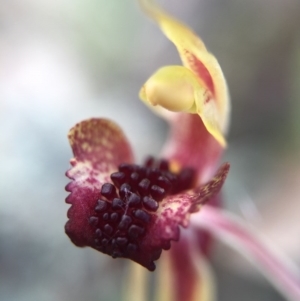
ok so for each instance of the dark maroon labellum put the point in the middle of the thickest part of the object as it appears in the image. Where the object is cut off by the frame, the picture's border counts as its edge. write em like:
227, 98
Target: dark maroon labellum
128, 207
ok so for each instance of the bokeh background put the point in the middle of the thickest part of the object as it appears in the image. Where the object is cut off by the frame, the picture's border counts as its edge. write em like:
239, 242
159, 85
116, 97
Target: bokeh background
62, 61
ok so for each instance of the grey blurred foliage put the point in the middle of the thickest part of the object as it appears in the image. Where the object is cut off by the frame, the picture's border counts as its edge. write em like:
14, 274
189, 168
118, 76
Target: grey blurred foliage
62, 61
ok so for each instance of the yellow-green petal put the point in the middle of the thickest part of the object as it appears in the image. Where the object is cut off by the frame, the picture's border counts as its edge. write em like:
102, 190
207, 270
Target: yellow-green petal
177, 89
174, 88
214, 108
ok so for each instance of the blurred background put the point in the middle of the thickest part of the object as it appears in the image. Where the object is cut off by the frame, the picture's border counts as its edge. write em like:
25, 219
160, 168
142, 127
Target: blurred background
62, 61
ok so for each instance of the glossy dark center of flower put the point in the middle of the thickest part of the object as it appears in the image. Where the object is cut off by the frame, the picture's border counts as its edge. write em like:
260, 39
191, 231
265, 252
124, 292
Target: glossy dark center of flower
128, 206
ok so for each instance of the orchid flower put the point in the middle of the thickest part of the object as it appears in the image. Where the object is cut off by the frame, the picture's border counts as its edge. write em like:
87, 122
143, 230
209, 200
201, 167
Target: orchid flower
133, 211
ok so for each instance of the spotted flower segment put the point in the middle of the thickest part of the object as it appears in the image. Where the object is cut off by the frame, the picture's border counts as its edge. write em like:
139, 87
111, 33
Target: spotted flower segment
123, 209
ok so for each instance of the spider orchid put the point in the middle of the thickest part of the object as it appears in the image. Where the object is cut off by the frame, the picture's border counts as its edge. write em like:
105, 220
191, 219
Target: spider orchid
133, 211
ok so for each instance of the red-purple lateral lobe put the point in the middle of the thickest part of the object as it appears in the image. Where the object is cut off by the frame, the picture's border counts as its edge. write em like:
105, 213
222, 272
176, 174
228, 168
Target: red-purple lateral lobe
99, 146
190, 144
175, 209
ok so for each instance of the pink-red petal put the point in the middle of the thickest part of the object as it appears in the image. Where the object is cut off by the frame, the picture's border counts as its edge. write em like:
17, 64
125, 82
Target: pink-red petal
174, 211
232, 231
190, 272
190, 144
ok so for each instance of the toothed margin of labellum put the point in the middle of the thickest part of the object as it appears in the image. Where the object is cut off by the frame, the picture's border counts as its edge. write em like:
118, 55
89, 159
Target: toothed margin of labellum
99, 146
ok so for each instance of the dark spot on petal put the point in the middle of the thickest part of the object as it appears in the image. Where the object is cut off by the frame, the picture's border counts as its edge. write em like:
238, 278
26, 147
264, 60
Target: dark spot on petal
104, 242
134, 179
117, 204
149, 161
105, 216
98, 233
142, 216
108, 190
151, 267
118, 178
126, 168
114, 217
150, 204
157, 192
134, 200
153, 174
171, 177
141, 170
93, 221
135, 231
101, 206
116, 254
124, 190
131, 248
165, 183
121, 241
163, 165
186, 179
144, 187
125, 222
108, 229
